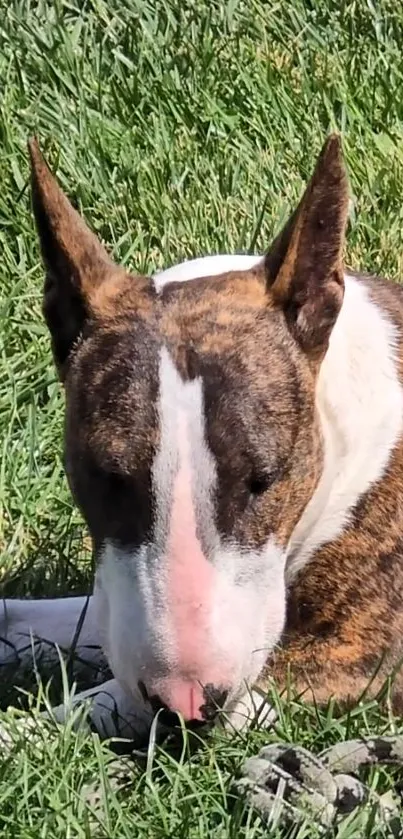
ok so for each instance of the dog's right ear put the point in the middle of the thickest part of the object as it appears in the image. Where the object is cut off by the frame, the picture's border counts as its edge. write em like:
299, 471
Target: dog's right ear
82, 281
76, 264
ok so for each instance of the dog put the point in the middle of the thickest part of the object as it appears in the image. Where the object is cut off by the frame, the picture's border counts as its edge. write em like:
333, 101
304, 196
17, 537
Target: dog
234, 441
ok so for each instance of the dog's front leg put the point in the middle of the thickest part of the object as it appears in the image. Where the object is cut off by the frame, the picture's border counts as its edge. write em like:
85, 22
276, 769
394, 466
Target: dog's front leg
322, 669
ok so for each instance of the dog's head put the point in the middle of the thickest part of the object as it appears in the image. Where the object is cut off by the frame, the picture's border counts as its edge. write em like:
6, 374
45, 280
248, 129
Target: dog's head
192, 442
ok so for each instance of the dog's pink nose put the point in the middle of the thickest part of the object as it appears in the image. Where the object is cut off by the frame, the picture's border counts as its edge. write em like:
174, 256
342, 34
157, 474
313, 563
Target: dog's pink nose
189, 699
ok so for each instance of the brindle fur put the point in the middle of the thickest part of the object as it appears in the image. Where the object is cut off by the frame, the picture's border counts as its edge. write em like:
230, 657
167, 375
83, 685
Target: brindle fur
344, 631
269, 327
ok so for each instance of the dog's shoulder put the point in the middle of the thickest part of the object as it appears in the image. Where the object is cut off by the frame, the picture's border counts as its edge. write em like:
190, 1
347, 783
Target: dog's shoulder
346, 582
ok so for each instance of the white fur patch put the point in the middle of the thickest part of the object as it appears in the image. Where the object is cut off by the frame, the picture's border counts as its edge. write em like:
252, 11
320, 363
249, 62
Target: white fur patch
181, 415
247, 617
206, 266
360, 402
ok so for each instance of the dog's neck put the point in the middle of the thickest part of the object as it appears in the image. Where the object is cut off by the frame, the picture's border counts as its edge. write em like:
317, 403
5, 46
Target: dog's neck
359, 401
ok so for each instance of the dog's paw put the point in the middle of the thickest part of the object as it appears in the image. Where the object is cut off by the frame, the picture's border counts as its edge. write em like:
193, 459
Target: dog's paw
253, 709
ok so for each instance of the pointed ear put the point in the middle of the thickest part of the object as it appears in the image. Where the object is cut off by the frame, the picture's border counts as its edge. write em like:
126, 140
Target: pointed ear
76, 263
304, 266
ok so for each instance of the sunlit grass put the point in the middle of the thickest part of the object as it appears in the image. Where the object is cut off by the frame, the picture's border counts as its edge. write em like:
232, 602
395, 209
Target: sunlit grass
171, 125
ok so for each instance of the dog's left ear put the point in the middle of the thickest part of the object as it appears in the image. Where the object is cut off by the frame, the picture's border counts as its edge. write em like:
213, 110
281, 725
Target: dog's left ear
304, 266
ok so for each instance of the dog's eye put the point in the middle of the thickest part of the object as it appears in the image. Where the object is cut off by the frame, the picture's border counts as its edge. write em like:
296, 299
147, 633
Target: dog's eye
259, 483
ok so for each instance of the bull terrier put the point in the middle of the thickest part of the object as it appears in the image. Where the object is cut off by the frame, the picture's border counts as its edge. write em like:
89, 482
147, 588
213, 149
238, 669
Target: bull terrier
234, 441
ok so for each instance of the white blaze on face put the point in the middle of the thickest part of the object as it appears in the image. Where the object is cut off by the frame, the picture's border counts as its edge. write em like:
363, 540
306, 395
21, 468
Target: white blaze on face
189, 610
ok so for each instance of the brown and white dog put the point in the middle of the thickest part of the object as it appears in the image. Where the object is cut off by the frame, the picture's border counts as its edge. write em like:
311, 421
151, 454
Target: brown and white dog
234, 440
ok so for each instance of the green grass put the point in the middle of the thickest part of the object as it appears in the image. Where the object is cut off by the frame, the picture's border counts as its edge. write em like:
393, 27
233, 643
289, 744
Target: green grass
172, 125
